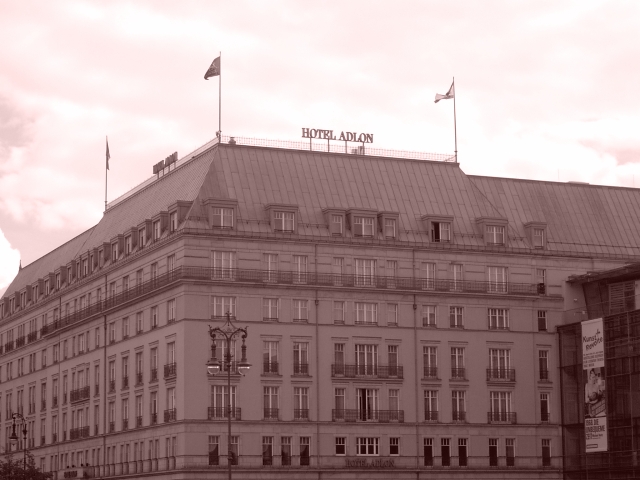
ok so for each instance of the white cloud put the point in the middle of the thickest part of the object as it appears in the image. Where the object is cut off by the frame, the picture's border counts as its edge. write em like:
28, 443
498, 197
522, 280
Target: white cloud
9, 262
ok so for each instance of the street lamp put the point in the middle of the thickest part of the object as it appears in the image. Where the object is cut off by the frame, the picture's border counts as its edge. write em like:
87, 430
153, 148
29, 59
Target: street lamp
13, 438
228, 331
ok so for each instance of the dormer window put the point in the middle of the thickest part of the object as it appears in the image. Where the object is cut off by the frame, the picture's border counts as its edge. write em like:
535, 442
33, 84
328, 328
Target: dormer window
390, 227
128, 245
34, 292
537, 234
114, 252
440, 232
173, 221
141, 238
156, 230
223, 217
337, 224
92, 265
284, 221
58, 281
47, 287
538, 238
363, 226
23, 299
85, 267
495, 234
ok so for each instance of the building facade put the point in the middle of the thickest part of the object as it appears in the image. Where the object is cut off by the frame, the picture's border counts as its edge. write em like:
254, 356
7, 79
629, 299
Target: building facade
401, 320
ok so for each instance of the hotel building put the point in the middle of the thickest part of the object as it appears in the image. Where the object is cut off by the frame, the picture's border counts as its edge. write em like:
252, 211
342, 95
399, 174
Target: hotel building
401, 319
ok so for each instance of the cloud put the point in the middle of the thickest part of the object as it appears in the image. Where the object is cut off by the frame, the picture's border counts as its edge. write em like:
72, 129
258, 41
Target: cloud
9, 262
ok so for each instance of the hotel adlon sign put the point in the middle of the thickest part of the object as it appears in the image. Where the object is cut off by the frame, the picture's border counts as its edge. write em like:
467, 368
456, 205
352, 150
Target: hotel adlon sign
322, 134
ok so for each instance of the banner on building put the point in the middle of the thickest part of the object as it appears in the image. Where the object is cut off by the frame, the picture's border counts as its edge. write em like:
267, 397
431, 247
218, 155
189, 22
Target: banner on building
595, 411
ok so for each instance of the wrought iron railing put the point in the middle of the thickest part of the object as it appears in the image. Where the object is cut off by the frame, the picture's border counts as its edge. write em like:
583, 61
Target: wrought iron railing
430, 373
215, 413
170, 415
501, 374
301, 414
301, 369
80, 394
501, 417
374, 371
459, 416
271, 414
367, 415
458, 373
430, 415
170, 370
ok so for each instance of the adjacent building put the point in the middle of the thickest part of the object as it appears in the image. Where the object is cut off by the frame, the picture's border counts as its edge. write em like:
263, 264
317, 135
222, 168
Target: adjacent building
402, 319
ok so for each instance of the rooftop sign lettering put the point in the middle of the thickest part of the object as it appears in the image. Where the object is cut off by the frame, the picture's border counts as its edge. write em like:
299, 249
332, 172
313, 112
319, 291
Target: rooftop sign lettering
322, 134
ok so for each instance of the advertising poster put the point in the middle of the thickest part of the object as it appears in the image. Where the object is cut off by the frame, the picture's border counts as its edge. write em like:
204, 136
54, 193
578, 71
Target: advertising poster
595, 411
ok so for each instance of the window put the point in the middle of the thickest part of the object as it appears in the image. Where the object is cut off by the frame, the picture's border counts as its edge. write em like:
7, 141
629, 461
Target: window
300, 311
338, 358
498, 319
339, 396
214, 449
393, 355
270, 309
337, 270
495, 234
430, 405
299, 269
154, 317
156, 230
462, 452
270, 397
219, 399
546, 452
541, 277
341, 445
456, 277
235, 449
271, 267
363, 226
428, 315
458, 405
112, 332
445, 451
301, 403
125, 327
366, 359
497, 279
545, 414
285, 451
171, 263
337, 227
543, 364
428, 275
223, 217
270, 357
366, 313
223, 305
428, 452
392, 314
390, 228
153, 357
338, 312
365, 272
139, 322
440, 231
267, 450
300, 358
510, 451
367, 401
141, 238
538, 238
394, 446
394, 403
430, 361
367, 446
500, 407
455, 317
128, 245
457, 363
114, 252
171, 311
173, 221
284, 221
154, 271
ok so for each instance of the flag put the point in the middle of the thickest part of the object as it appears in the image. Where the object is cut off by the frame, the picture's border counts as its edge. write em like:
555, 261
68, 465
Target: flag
108, 156
214, 69
449, 94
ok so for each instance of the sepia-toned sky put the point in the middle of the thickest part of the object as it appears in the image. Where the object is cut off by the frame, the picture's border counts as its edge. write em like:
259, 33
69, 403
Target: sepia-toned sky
547, 90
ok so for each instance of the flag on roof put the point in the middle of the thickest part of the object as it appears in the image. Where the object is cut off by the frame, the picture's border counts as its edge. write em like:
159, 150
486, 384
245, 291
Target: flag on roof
108, 156
449, 94
214, 69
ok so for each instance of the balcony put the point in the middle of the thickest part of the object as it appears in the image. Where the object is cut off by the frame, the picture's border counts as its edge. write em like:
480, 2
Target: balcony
43, 405
270, 368
430, 373
80, 432
32, 408
125, 383
154, 418
170, 370
154, 375
458, 416
112, 386
170, 415
96, 430
55, 402
501, 417
301, 414
20, 341
80, 394
261, 277
112, 427
8, 346
545, 417
357, 415
138, 379
138, 421
32, 337
458, 374
216, 413
271, 414
125, 424
96, 390
501, 375
301, 369
430, 415
54, 438
369, 371
544, 375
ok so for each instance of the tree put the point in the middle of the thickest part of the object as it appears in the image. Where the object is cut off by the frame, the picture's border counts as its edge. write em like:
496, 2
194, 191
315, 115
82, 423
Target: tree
12, 468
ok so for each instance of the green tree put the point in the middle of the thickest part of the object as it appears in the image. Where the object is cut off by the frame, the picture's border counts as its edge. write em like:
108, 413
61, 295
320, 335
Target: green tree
12, 468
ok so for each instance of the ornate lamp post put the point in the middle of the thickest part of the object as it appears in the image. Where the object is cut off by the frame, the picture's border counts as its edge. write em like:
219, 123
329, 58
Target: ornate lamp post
228, 331
13, 438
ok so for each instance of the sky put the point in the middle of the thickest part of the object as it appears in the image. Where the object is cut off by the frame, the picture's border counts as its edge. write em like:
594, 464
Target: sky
545, 90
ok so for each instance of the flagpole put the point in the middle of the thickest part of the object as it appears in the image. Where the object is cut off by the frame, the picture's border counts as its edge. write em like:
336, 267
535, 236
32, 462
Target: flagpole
455, 130
106, 170
220, 100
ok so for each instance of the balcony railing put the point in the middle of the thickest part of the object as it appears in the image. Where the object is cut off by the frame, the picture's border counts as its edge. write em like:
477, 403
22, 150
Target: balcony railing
20, 341
270, 368
271, 413
154, 418
501, 374
125, 424
501, 417
55, 402
301, 414
430, 415
80, 394
8, 346
80, 432
170, 370
54, 438
458, 373
545, 417
32, 337
112, 386
358, 415
170, 415
112, 427
430, 373
154, 375
237, 275
96, 390
301, 369
138, 379
544, 374
125, 382
43, 405
138, 421
373, 371
459, 416
215, 413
